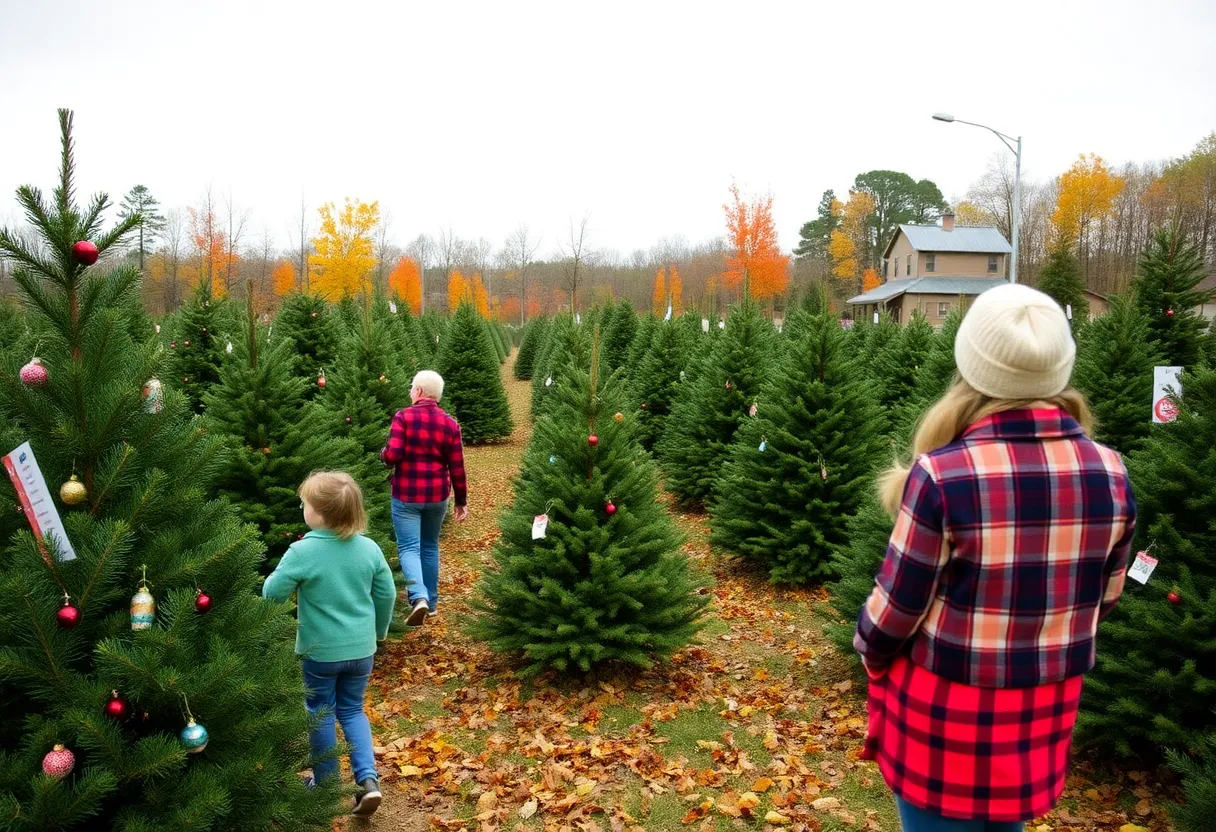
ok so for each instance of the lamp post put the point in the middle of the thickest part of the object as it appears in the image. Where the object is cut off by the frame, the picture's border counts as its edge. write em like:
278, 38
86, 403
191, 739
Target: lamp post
1017, 181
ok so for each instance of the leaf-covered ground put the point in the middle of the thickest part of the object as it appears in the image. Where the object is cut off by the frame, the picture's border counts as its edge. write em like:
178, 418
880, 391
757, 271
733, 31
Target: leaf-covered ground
756, 727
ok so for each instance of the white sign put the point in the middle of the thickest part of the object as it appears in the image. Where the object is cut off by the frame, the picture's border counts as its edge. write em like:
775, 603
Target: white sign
36, 501
1142, 568
1166, 385
392, 307
668, 318
539, 523
705, 324
876, 316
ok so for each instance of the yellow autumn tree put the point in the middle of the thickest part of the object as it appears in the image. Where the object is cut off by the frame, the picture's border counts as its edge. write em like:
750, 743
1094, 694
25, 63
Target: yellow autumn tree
283, 278
658, 299
405, 281
675, 285
458, 290
481, 301
345, 248
969, 214
849, 245
1087, 195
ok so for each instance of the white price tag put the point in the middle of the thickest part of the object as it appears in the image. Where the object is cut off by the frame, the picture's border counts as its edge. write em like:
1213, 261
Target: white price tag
1142, 568
539, 524
36, 501
549, 381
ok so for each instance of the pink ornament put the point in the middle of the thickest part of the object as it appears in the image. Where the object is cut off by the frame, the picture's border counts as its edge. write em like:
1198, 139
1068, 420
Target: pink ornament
34, 374
610, 509
58, 762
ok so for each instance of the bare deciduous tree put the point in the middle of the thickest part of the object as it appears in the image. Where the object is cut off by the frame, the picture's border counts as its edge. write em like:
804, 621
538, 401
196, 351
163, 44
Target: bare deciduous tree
422, 249
300, 255
575, 253
386, 252
236, 230
519, 250
173, 240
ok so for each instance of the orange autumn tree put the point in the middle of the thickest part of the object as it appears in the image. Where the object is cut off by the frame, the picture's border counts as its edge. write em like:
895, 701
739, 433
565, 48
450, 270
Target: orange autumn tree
283, 278
754, 260
345, 249
405, 281
675, 286
870, 280
215, 257
658, 300
481, 301
458, 290
510, 308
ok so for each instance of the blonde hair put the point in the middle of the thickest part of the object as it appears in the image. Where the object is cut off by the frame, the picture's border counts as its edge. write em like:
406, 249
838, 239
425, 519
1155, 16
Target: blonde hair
338, 499
960, 407
429, 383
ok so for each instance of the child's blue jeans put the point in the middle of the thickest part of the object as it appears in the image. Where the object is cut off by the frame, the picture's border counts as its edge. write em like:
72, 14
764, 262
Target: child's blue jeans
336, 689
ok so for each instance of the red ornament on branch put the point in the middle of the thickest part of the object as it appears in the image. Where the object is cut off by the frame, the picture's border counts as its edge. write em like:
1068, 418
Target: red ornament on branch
593, 440
116, 707
84, 253
610, 509
1169, 313
321, 380
202, 602
67, 616
34, 374
1174, 597
58, 762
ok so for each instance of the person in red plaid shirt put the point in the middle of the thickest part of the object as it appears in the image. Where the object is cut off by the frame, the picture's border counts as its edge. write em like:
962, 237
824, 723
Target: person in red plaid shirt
425, 452
1011, 541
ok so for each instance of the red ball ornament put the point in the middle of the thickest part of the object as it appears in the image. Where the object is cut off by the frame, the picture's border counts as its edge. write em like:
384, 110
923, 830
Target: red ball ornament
34, 374
202, 602
643, 405
348, 420
187, 343
84, 253
593, 440
730, 386
610, 509
172, 345
1174, 597
58, 762
67, 616
1169, 312
320, 381
116, 707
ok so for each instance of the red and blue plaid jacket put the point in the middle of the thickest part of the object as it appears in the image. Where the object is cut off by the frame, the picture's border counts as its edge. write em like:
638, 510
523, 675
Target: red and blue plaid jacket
1010, 546
424, 448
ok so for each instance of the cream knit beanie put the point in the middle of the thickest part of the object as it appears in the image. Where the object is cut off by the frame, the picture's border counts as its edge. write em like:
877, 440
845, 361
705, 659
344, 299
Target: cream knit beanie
1015, 343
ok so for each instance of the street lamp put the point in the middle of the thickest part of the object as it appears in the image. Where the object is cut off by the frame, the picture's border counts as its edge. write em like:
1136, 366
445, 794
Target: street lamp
1017, 181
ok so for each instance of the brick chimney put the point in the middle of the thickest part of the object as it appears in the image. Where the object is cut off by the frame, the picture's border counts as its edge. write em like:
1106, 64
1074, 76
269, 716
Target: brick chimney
948, 221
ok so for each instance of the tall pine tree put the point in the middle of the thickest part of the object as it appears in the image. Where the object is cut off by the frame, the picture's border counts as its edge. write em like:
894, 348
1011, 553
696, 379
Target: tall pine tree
309, 322
608, 580
896, 368
804, 463
473, 391
534, 335
702, 425
657, 381
144, 515
1168, 294
618, 336
200, 334
1061, 278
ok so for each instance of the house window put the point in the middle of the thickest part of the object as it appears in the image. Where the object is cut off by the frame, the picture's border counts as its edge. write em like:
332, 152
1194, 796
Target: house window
884, 269
909, 265
897, 267
992, 263
943, 309
930, 262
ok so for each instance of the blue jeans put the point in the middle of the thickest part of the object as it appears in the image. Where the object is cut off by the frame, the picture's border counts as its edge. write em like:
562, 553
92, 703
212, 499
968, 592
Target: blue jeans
913, 819
338, 688
417, 527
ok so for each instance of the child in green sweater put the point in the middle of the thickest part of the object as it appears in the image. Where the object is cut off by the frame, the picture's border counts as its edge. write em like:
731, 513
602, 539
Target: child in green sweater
345, 597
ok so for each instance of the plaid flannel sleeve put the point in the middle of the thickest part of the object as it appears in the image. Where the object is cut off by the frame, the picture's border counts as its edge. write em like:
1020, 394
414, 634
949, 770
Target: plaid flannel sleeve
1116, 564
460, 484
394, 449
909, 575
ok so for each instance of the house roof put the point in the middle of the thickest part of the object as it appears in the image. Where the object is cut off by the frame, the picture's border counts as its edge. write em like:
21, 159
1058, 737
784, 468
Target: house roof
929, 286
964, 239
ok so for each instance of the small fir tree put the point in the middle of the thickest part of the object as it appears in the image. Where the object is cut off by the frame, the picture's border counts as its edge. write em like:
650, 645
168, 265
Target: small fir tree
1061, 278
604, 583
1114, 369
1155, 680
639, 347
310, 324
146, 467
618, 336
200, 337
658, 380
804, 463
565, 340
1198, 770
856, 562
702, 425
534, 335
897, 366
473, 388
937, 373
1167, 293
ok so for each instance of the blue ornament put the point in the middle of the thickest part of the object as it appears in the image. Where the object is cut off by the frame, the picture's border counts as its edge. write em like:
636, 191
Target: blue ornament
552, 460
763, 445
194, 737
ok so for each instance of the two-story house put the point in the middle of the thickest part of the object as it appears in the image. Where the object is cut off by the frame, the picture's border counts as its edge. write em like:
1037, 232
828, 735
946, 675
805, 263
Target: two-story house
935, 269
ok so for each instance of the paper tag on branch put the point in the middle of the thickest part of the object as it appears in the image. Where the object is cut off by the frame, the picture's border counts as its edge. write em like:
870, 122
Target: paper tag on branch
539, 524
1142, 567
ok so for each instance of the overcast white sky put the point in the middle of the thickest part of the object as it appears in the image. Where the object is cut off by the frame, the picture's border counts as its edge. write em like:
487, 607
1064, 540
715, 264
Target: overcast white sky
480, 115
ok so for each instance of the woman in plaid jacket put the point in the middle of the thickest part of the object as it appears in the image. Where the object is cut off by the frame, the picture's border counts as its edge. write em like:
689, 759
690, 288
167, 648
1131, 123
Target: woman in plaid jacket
1010, 545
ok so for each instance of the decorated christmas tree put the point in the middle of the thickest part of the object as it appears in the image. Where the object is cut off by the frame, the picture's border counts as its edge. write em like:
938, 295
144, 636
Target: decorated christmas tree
1155, 680
534, 335
702, 425
472, 383
856, 561
657, 382
606, 579
308, 321
143, 683
1167, 293
199, 340
804, 463
1114, 369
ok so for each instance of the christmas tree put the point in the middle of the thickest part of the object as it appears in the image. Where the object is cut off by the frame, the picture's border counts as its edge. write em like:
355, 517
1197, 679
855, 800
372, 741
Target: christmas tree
639, 347
702, 425
534, 335
657, 381
618, 336
856, 561
1155, 680
276, 440
1114, 369
897, 366
308, 321
566, 341
1061, 278
473, 391
1167, 292
200, 336
937, 372
607, 581
1199, 784
431, 326
804, 463
119, 714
